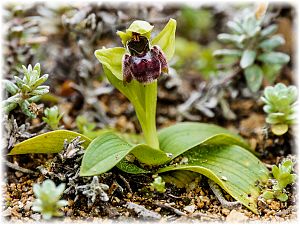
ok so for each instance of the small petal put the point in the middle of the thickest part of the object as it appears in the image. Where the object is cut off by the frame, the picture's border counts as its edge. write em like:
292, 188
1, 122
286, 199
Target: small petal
124, 37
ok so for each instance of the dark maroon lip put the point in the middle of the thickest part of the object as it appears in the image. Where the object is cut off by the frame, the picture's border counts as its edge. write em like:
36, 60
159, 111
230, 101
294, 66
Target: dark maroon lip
143, 63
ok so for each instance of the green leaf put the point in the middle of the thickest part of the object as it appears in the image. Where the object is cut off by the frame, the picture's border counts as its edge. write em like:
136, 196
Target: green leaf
8, 106
268, 195
248, 58
37, 68
166, 39
40, 81
251, 25
254, 77
10, 87
51, 142
275, 171
282, 197
233, 168
180, 178
271, 71
228, 52
181, 137
130, 167
231, 38
108, 150
274, 58
235, 27
269, 30
279, 129
272, 43
111, 58
25, 109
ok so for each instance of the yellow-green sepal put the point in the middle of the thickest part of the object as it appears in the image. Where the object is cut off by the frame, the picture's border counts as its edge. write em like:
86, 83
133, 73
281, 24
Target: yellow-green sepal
166, 39
111, 58
138, 26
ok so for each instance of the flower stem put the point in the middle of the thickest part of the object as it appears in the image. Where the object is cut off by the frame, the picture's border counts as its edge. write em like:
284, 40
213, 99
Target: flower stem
150, 132
143, 98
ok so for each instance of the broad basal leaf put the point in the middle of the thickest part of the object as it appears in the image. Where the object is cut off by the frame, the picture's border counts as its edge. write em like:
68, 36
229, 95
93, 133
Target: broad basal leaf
108, 150
51, 142
183, 136
180, 178
233, 168
130, 167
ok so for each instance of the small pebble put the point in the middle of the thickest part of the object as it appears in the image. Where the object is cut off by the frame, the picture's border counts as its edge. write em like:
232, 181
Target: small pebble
236, 217
275, 205
19, 174
36, 216
190, 208
225, 211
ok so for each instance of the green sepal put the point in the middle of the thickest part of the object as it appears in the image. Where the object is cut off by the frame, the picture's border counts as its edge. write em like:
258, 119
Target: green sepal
138, 26
111, 58
166, 39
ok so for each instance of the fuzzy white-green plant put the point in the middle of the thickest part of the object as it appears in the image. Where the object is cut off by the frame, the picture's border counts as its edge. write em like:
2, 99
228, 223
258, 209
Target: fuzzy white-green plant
25, 91
280, 106
48, 201
253, 45
52, 117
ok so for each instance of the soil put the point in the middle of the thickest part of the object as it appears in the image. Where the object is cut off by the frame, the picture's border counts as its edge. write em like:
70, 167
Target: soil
64, 46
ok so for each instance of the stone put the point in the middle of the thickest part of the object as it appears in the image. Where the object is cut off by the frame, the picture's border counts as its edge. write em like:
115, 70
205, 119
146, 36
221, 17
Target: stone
236, 217
190, 208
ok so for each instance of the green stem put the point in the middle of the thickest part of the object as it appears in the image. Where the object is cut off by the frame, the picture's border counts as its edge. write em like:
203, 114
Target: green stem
145, 108
144, 99
150, 132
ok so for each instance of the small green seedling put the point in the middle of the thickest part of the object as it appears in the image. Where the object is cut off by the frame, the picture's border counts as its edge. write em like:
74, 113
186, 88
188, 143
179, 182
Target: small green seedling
48, 200
135, 70
26, 91
254, 48
158, 185
84, 126
52, 117
280, 106
283, 177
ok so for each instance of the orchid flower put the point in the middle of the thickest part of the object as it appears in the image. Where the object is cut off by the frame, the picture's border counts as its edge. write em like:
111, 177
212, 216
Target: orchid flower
135, 68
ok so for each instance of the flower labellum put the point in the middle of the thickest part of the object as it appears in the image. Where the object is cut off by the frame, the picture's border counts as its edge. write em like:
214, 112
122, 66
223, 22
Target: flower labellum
143, 63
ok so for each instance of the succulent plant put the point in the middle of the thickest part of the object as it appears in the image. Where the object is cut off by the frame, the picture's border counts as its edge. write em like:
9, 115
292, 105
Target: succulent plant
48, 199
280, 102
158, 184
283, 177
254, 47
26, 91
52, 117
